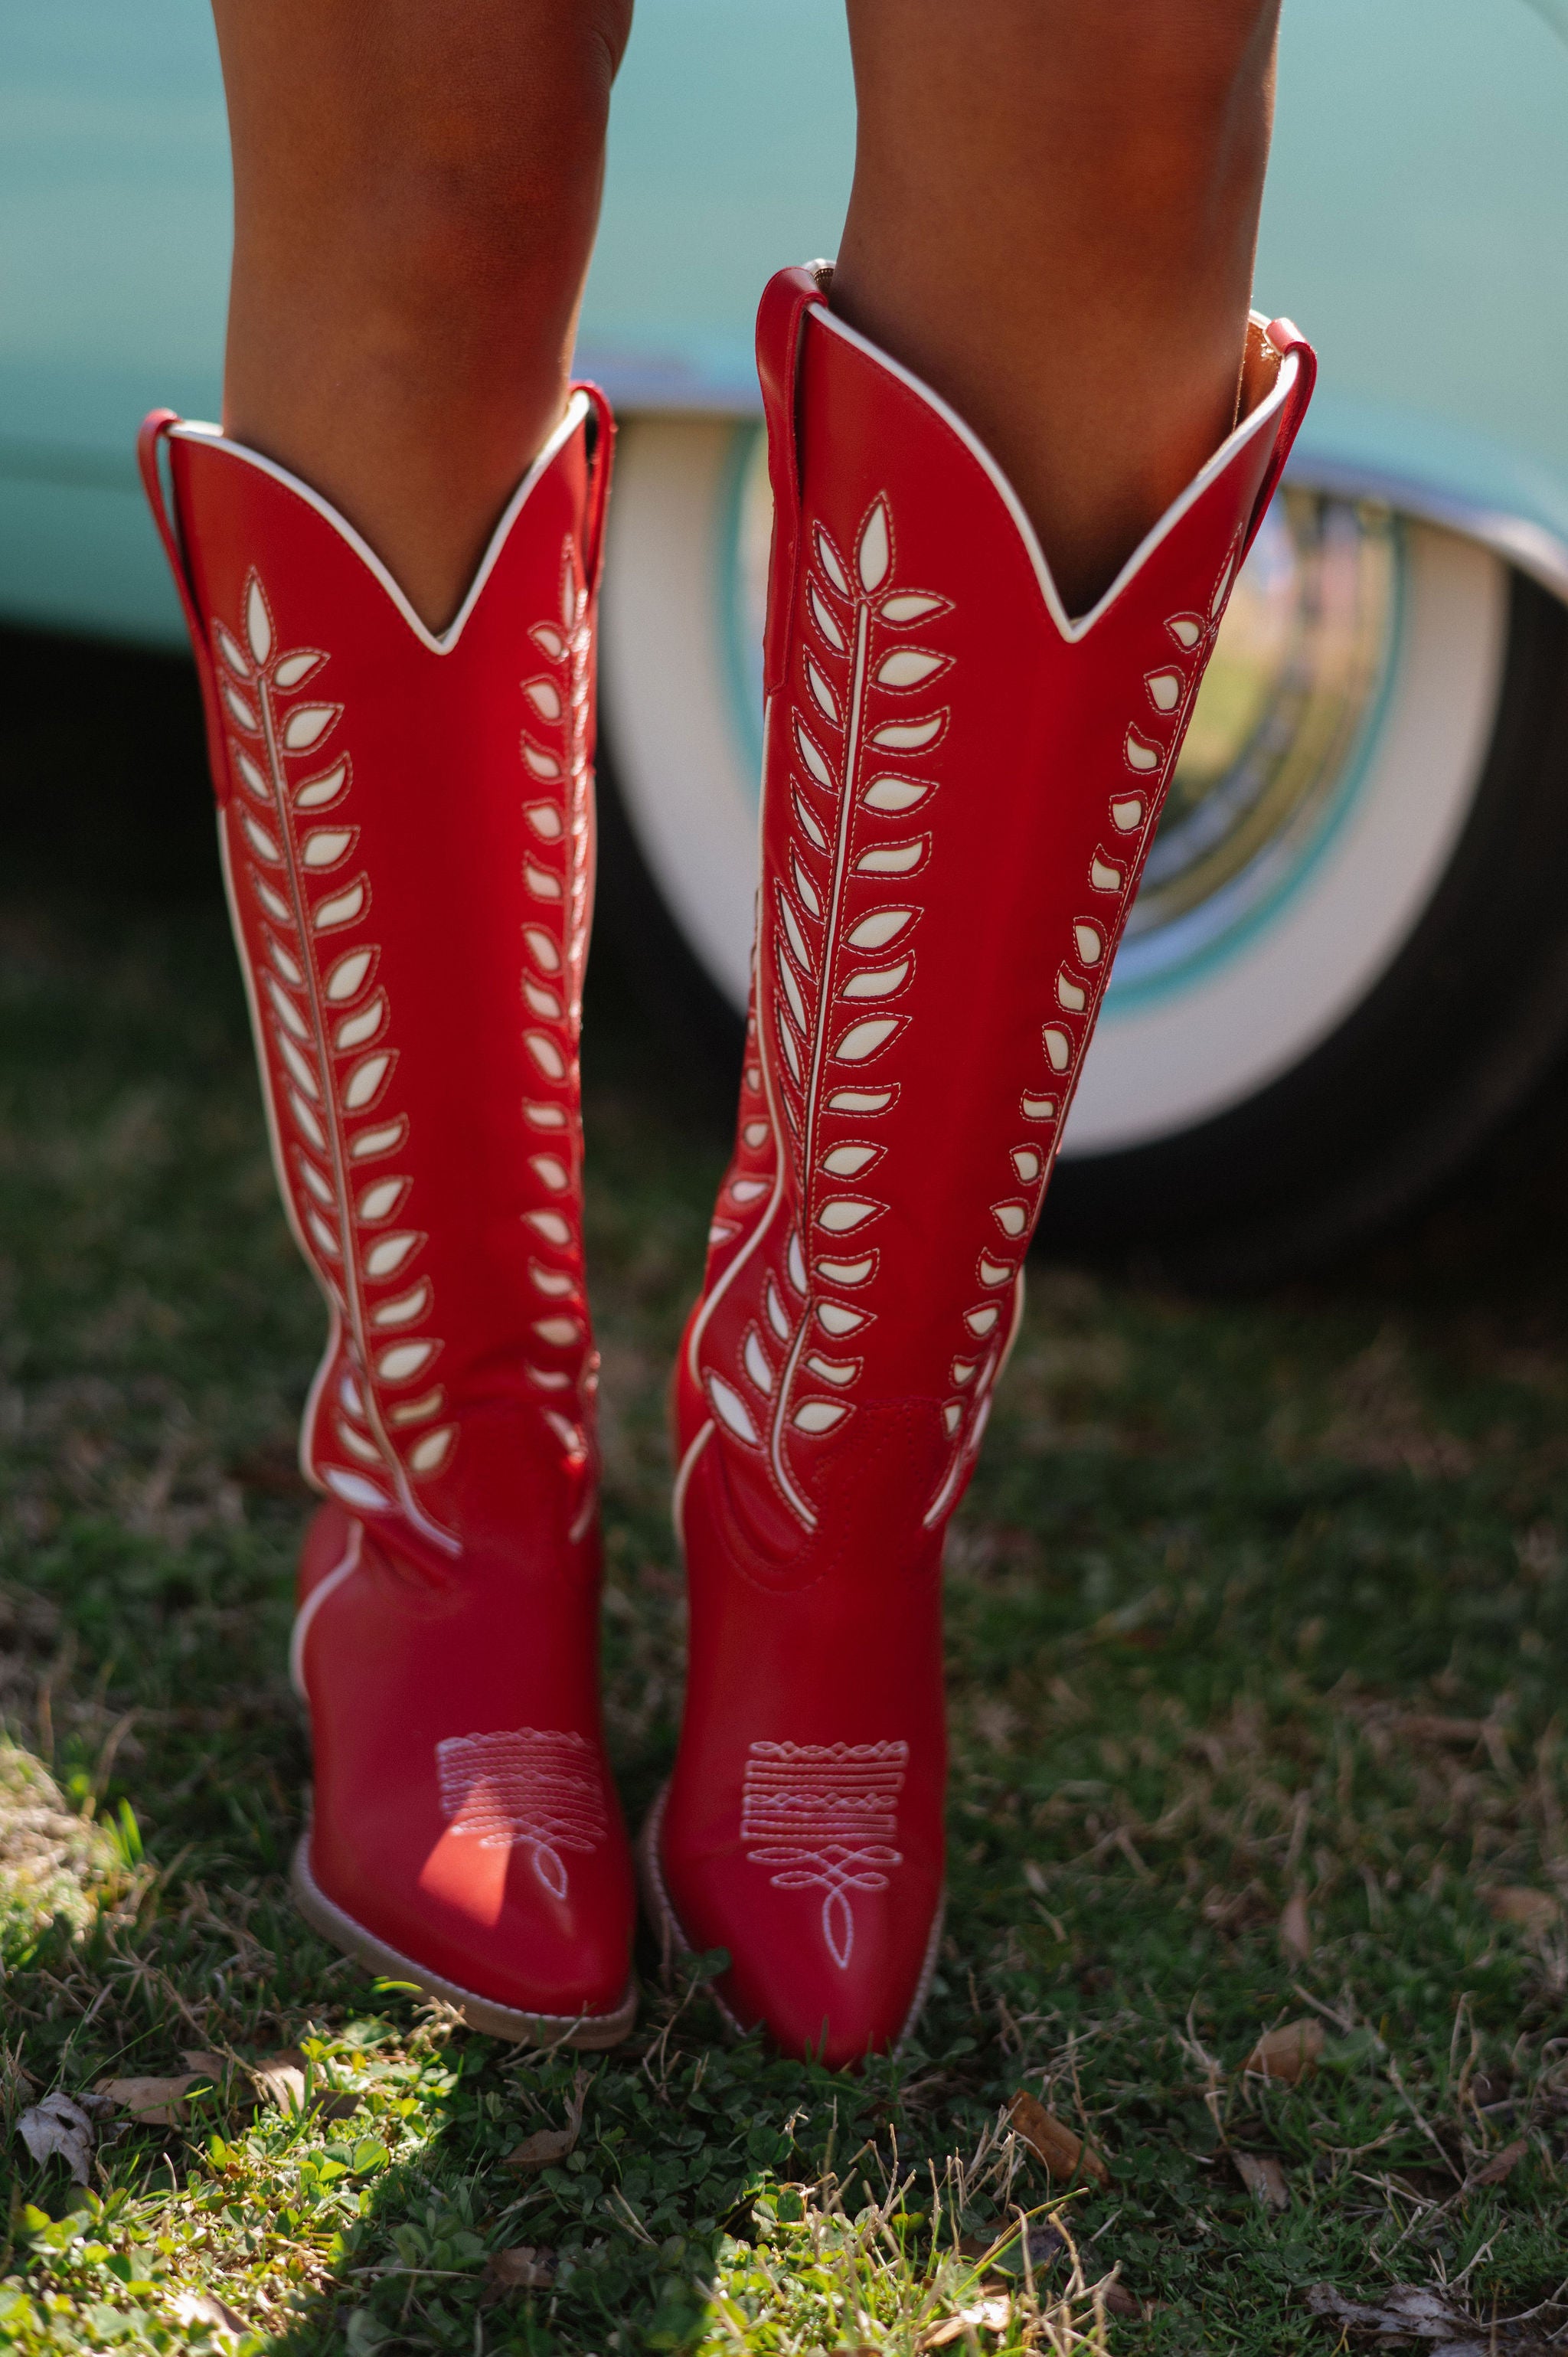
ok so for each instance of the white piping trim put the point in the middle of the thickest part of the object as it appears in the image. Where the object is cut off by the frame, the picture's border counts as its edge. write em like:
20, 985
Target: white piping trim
313, 1603
678, 1495
1073, 632
192, 430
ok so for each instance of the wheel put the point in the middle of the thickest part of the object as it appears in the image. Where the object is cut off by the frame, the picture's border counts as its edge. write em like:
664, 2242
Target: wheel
1346, 965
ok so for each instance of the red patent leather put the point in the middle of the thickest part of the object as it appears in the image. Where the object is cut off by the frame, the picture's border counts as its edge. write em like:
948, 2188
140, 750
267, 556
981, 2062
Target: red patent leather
406, 827
959, 789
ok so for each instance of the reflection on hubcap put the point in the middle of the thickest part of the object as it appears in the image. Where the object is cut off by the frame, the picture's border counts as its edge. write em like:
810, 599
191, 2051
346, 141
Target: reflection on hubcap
1284, 721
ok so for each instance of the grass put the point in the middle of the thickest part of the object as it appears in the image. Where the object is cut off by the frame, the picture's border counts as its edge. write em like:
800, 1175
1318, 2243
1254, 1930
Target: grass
1259, 1628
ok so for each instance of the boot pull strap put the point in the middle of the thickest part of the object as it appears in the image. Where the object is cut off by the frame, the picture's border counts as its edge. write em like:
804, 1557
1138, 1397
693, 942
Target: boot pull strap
1286, 338
600, 465
780, 323
155, 429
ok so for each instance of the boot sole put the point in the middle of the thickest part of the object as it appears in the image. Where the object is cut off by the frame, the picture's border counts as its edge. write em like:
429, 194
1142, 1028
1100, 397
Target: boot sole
590, 2030
673, 1941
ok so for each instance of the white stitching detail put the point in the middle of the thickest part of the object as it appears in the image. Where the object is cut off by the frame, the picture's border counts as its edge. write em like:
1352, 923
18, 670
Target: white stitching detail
525, 1787
827, 1816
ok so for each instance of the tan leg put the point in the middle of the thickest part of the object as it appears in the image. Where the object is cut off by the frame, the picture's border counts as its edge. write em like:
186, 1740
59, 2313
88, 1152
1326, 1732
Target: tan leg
1053, 222
415, 193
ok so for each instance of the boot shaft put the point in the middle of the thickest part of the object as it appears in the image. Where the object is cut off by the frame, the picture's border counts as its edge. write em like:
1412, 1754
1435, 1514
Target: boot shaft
962, 785
406, 827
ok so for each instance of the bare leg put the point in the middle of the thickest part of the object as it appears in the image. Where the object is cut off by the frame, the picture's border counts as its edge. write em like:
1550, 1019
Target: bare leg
1053, 221
415, 194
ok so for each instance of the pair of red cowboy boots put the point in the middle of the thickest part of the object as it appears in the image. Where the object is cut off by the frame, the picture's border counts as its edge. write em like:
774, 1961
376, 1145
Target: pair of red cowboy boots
960, 785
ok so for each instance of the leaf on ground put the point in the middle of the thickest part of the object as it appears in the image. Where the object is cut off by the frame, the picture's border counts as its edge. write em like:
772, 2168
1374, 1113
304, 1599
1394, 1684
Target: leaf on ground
1502, 2165
545, 2146
1290, 2052
527, 2266
1119, 2301
1405, 2312
337, 2107
202, 2059
1295, 1928
62, 2126
152, 2103
1513, 1903
206, 2307
1051, 2140
984, 2316
281, 2078
1263, 2179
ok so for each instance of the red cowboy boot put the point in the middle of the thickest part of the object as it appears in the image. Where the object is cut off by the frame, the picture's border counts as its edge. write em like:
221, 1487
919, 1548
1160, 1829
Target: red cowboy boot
406, 828
961, 786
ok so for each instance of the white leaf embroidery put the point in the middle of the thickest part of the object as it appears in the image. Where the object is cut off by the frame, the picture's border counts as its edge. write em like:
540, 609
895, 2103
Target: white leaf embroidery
828, 558
908, 735
317, 792
347, 978
428, 1455
328, 845
908, 667
232, 652
258, 622
894, 793
306, 725
880, 983
841, 1213
849, 1161
875, 549
894, 858
875, 932
388, 1254
363, 1084
834, 1318
731, 1410
379, 1201
864, 1039
343, 908
406, 1309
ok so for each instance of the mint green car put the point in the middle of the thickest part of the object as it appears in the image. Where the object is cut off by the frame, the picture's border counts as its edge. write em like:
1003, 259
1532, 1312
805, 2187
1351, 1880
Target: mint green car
1349, 962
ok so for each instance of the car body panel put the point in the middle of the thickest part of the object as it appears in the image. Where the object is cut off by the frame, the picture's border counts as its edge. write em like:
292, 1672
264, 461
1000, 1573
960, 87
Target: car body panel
1413, 224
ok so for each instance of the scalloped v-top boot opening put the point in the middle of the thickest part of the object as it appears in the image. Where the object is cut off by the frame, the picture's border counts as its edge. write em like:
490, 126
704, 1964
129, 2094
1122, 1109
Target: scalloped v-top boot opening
961, 786
406, 828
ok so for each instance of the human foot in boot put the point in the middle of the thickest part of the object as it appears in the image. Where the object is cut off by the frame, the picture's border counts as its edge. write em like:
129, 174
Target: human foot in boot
960, 787
406, 828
